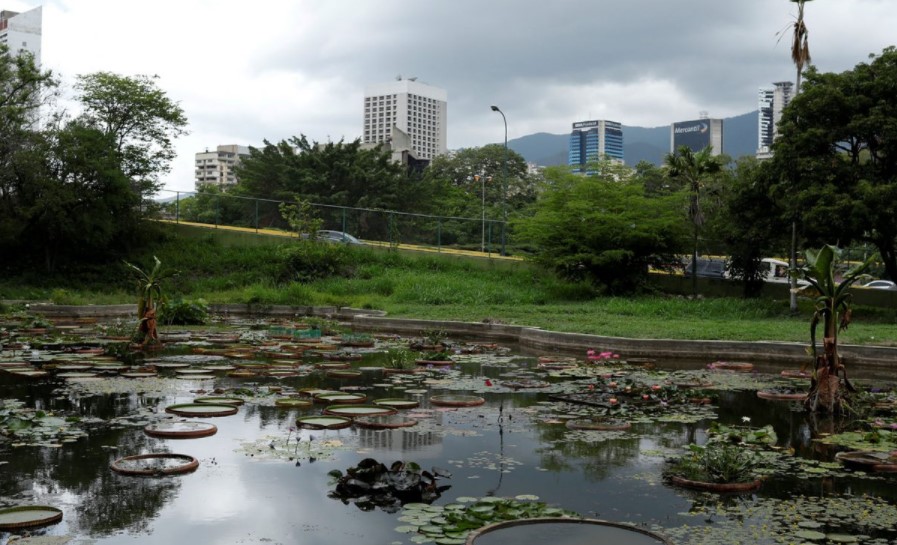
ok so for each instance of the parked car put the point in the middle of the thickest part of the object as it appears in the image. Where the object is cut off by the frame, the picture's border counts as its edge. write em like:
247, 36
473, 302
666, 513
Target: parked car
880, 285
334, 236
707, 268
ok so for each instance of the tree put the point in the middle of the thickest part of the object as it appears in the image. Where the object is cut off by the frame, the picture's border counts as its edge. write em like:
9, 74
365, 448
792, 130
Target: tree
836, 156
800, 56
748, 223
141, 120
337, 174
81, 202
832, 302
23, 90
468, 184
602, 229
695, 169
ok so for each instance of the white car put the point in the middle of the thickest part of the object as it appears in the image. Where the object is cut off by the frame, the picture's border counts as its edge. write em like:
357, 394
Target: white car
881, 285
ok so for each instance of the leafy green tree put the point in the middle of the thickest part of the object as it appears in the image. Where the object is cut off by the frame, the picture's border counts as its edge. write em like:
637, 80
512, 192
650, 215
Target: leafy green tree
301, 218
469, 184
139, 117
212, 205
602, 228
23, 90
836, 156
696, 170
81, 202
336, 174
747, 222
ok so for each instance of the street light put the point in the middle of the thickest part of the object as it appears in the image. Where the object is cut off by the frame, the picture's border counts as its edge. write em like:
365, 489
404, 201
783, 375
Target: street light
484, 179
504, 180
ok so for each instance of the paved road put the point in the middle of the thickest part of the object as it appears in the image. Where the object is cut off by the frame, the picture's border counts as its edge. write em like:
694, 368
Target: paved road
376, 243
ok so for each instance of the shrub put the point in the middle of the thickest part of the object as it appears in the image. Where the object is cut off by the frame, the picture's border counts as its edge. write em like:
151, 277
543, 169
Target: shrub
184, 312
307, 261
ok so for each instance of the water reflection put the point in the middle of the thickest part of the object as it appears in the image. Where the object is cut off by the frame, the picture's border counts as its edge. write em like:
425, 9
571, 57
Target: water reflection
504, 447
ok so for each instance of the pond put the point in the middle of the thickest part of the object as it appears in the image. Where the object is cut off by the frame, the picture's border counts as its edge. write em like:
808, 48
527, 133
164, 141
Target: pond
504, 425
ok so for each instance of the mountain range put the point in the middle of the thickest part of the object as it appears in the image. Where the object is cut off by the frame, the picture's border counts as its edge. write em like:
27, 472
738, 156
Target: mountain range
651, 144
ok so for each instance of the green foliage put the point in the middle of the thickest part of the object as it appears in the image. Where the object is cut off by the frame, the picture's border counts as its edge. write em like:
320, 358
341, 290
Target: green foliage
745, 224
836, 157
831, 298
184, 312
139, 118
306, 261
149, 286
434, 336
602, 228
301, 217
716, 463
399, 358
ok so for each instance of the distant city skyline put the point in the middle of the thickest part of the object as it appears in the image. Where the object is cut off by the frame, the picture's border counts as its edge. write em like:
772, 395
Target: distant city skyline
301, 66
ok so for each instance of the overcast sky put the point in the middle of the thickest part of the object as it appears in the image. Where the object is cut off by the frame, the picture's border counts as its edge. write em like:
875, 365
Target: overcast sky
271, 69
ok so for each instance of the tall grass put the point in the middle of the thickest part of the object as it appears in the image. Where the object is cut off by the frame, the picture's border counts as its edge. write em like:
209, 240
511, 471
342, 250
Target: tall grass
223, 267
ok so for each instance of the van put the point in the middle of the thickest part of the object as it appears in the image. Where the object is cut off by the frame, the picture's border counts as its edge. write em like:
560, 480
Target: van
775, 270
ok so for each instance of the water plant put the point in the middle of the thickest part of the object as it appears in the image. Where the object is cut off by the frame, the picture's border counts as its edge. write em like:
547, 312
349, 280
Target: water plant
372, 484
715, 462
399, 358
832, 303
149, 295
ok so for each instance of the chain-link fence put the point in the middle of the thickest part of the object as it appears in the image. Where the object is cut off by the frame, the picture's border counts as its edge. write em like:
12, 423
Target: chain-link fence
385, 226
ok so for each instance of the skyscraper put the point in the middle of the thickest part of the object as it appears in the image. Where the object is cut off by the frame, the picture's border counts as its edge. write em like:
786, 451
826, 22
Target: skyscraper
417, 109
22, 31
771, 103
697, 134
592, 140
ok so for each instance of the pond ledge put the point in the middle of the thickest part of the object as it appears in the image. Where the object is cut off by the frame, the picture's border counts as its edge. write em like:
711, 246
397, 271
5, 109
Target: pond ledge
873, 357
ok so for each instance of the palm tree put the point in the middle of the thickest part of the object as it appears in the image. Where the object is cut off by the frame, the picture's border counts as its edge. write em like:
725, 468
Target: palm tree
800, 56
694, 169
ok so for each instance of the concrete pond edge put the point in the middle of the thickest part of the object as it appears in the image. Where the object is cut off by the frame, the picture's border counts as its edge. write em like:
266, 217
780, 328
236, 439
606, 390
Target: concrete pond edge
877, 357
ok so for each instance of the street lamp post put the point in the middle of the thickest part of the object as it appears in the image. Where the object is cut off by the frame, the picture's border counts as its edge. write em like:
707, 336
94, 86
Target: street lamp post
504, 181
483, 179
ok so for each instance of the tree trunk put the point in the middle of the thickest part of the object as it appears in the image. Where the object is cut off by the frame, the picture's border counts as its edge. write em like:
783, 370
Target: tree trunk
888, 253
694, 265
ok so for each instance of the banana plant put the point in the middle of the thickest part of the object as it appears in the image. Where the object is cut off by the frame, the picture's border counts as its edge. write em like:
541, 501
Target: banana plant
149, 288
832, 301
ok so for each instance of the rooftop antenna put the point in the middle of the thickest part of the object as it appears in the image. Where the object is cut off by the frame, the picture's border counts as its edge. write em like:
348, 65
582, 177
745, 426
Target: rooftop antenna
703, 114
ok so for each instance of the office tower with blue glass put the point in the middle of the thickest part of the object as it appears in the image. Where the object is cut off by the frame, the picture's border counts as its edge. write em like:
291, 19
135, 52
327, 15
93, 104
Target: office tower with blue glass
593, 140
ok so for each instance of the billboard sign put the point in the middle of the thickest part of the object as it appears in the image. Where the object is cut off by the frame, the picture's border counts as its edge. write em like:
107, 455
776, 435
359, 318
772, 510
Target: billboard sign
694, 134
585, 124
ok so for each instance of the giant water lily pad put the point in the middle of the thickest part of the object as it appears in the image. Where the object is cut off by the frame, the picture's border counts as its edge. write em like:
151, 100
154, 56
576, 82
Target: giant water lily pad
351, 411
220, 400
201, 409
342, 398
456, 400
563, 530
323, 422
180, 429
155, 464
397, 403
28, 516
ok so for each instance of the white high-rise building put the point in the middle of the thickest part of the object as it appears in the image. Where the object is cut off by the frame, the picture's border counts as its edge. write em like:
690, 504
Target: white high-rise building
415, 108
771, 103
22, 31
216, 168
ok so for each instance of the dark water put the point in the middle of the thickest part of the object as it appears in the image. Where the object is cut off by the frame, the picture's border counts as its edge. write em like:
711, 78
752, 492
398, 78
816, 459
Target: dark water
236, 496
